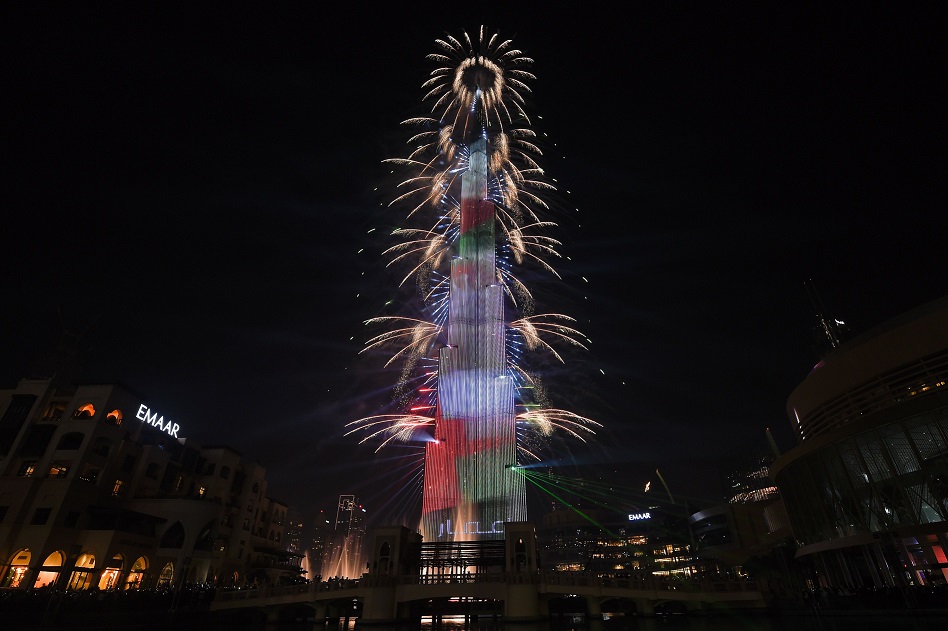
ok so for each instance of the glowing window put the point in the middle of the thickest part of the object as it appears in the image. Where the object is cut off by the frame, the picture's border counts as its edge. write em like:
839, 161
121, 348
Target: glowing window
117, 488
22, 557
86, 411
114, 417
110, 576
82, 577
136, 574
166, 576
18, 567
49, 571
58, 470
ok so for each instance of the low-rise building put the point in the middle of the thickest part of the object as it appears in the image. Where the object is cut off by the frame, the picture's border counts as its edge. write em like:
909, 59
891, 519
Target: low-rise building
98, 490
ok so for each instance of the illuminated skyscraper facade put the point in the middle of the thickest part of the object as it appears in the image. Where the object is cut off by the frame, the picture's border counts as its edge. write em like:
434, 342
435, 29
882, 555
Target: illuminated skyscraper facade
467, 389
470, 487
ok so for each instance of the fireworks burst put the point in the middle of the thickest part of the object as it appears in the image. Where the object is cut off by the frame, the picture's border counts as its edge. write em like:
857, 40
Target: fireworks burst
477, 93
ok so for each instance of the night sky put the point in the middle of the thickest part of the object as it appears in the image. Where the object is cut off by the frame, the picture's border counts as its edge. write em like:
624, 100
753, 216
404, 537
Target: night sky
190, 188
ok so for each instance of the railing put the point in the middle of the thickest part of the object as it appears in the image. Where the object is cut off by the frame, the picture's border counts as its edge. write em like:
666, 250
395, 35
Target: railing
268, 591
550, 579
649, 583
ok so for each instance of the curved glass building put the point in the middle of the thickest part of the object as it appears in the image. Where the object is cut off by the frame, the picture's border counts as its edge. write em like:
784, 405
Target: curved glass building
866, 487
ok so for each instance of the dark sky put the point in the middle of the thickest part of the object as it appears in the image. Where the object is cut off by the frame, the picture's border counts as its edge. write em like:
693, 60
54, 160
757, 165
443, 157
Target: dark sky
191, 186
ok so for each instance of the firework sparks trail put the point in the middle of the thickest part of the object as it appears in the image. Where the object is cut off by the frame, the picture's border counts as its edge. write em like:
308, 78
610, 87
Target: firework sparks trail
476, 188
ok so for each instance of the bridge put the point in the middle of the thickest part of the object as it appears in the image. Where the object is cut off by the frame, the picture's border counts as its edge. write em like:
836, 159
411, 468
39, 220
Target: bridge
486, 594
396, 590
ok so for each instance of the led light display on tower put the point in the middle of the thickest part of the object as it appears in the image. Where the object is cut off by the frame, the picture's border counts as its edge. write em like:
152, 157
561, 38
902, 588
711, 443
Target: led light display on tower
468, 391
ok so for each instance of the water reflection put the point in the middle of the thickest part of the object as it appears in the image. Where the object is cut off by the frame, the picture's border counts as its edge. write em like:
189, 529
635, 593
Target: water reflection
735, 621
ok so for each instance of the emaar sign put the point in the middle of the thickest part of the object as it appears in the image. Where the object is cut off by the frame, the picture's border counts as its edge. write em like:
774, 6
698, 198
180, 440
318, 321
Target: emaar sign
147, 416
639, 516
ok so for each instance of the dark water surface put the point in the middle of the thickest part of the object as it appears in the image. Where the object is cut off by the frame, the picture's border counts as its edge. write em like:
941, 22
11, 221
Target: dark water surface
803, 621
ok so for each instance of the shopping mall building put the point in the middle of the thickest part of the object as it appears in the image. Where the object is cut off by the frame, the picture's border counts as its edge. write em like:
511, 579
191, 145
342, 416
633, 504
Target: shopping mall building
866, 487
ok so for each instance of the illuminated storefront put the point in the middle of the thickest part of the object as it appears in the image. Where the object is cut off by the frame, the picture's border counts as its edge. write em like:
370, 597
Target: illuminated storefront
49, 572
136, 574
81, 577
19, 565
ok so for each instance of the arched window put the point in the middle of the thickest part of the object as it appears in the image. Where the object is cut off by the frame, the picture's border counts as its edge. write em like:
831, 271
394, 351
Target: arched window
81, 577
384, 559
166, 576
114, 417
110, 577
173, 537
19, 564
72, 440
49, 571
137, 573
86, 411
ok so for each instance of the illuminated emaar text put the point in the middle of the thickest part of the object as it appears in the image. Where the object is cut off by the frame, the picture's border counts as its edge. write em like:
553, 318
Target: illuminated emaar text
158, 422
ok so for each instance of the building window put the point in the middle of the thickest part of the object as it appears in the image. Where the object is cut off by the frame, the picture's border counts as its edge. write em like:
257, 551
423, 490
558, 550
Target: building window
152, 470
166, 576
86, 411
37, 440
27, 469
90, 474
117, 489
18, 568
114, 417
81, 578
41, 516
202, 491
55, 411
58, 470
173, 537
70, 441
137, 573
